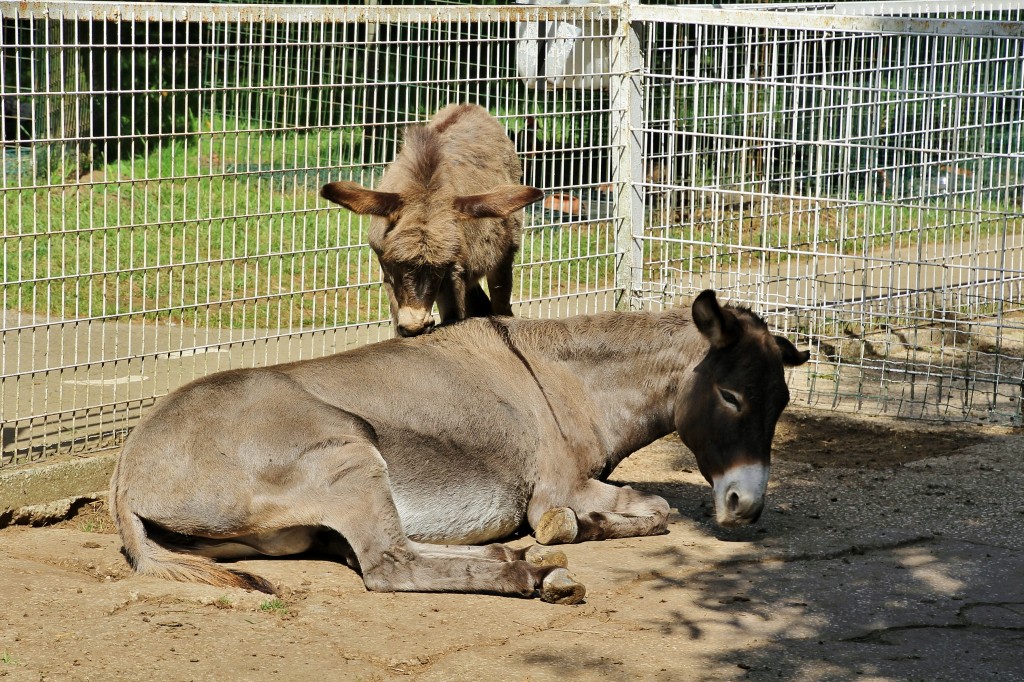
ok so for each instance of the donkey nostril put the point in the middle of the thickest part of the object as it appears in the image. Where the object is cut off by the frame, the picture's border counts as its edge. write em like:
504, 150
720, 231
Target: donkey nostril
732, 502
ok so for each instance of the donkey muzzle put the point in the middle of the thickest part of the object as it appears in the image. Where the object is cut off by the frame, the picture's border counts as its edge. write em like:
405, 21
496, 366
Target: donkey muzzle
740, 494
413, 321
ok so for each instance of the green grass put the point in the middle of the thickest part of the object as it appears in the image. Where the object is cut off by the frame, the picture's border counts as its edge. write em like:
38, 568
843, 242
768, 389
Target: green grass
216, 231
273, 606
207, 227
225, 228
133, 248
733, 238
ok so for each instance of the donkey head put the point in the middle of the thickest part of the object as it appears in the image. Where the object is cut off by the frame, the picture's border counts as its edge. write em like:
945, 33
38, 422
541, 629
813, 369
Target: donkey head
737, 393
419, 239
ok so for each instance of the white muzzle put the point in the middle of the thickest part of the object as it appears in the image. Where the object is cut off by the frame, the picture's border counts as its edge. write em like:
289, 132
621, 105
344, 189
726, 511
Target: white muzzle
739, 494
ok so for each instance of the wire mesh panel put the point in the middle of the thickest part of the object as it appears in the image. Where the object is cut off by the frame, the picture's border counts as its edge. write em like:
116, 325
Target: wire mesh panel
858, 178
853, 171
161, 175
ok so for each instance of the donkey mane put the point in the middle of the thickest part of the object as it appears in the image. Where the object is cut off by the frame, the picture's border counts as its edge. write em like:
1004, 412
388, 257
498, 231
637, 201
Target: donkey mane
745, 311
592, 336
424, 150
601, 335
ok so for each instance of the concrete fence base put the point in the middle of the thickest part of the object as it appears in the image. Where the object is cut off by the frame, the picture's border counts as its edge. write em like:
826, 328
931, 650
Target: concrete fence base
50, 492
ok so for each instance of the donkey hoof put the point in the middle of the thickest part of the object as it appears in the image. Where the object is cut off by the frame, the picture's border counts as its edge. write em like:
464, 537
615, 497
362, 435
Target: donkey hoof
544, 557
558, 587
558, 526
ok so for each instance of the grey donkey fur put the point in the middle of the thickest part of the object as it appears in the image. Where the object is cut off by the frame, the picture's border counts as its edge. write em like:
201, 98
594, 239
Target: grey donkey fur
396, 456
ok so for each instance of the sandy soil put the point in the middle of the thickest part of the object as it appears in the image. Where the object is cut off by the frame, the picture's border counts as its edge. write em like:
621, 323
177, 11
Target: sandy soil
872, 547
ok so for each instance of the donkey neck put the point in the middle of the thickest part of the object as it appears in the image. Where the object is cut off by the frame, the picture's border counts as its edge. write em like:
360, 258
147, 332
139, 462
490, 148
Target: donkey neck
631, 366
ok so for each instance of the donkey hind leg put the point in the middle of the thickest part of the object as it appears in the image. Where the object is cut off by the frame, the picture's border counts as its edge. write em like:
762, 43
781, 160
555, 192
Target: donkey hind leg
273, 543
363, 511
601, 511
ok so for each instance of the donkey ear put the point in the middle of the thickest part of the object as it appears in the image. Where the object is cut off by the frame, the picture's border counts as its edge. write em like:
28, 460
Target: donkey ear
498, 203
791, 357
363, 201
717, 325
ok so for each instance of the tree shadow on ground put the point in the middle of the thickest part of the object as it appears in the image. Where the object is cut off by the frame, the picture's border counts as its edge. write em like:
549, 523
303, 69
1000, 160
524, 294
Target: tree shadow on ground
868, 562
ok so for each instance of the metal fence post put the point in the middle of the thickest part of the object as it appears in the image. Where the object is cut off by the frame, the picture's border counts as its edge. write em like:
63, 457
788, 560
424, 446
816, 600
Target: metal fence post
62, 118
626, 134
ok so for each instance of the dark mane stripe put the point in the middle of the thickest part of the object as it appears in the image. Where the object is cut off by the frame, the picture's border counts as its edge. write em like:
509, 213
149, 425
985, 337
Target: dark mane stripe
503, 333
446, 123
424, 148
744, 311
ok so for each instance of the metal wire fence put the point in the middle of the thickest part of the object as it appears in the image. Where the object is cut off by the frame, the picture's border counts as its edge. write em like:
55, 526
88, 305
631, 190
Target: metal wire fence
855, 177
856, 173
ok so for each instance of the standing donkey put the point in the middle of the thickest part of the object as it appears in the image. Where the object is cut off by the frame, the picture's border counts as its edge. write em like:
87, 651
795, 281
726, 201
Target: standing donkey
396, 455
447, 212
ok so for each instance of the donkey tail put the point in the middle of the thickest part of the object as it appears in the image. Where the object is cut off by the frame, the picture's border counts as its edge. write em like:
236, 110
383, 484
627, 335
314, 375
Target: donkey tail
148, 557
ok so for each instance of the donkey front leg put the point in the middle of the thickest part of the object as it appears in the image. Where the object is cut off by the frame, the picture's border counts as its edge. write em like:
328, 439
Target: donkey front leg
477, 302
361, 509
599, 511
499, 284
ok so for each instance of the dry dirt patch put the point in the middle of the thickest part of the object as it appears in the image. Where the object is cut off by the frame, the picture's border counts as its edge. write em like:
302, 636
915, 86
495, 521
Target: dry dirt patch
837, 440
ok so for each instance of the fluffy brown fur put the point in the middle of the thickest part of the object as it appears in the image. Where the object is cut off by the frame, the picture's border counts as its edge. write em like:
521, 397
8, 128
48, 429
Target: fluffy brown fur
446, 215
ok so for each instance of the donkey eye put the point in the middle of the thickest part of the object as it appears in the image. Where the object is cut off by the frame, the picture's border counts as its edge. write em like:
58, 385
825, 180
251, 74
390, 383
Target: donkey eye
730, 398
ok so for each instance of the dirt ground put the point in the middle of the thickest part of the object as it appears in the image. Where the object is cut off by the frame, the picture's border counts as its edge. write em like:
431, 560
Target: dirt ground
889, 551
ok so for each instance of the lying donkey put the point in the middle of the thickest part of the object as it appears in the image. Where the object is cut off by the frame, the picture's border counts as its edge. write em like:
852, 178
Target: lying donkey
387, 452
446, 214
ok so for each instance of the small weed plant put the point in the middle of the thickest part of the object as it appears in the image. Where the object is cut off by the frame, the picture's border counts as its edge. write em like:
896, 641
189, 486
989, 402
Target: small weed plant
272, 606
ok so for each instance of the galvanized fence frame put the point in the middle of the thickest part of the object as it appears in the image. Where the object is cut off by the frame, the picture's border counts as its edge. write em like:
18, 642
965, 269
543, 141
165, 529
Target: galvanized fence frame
170, 225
